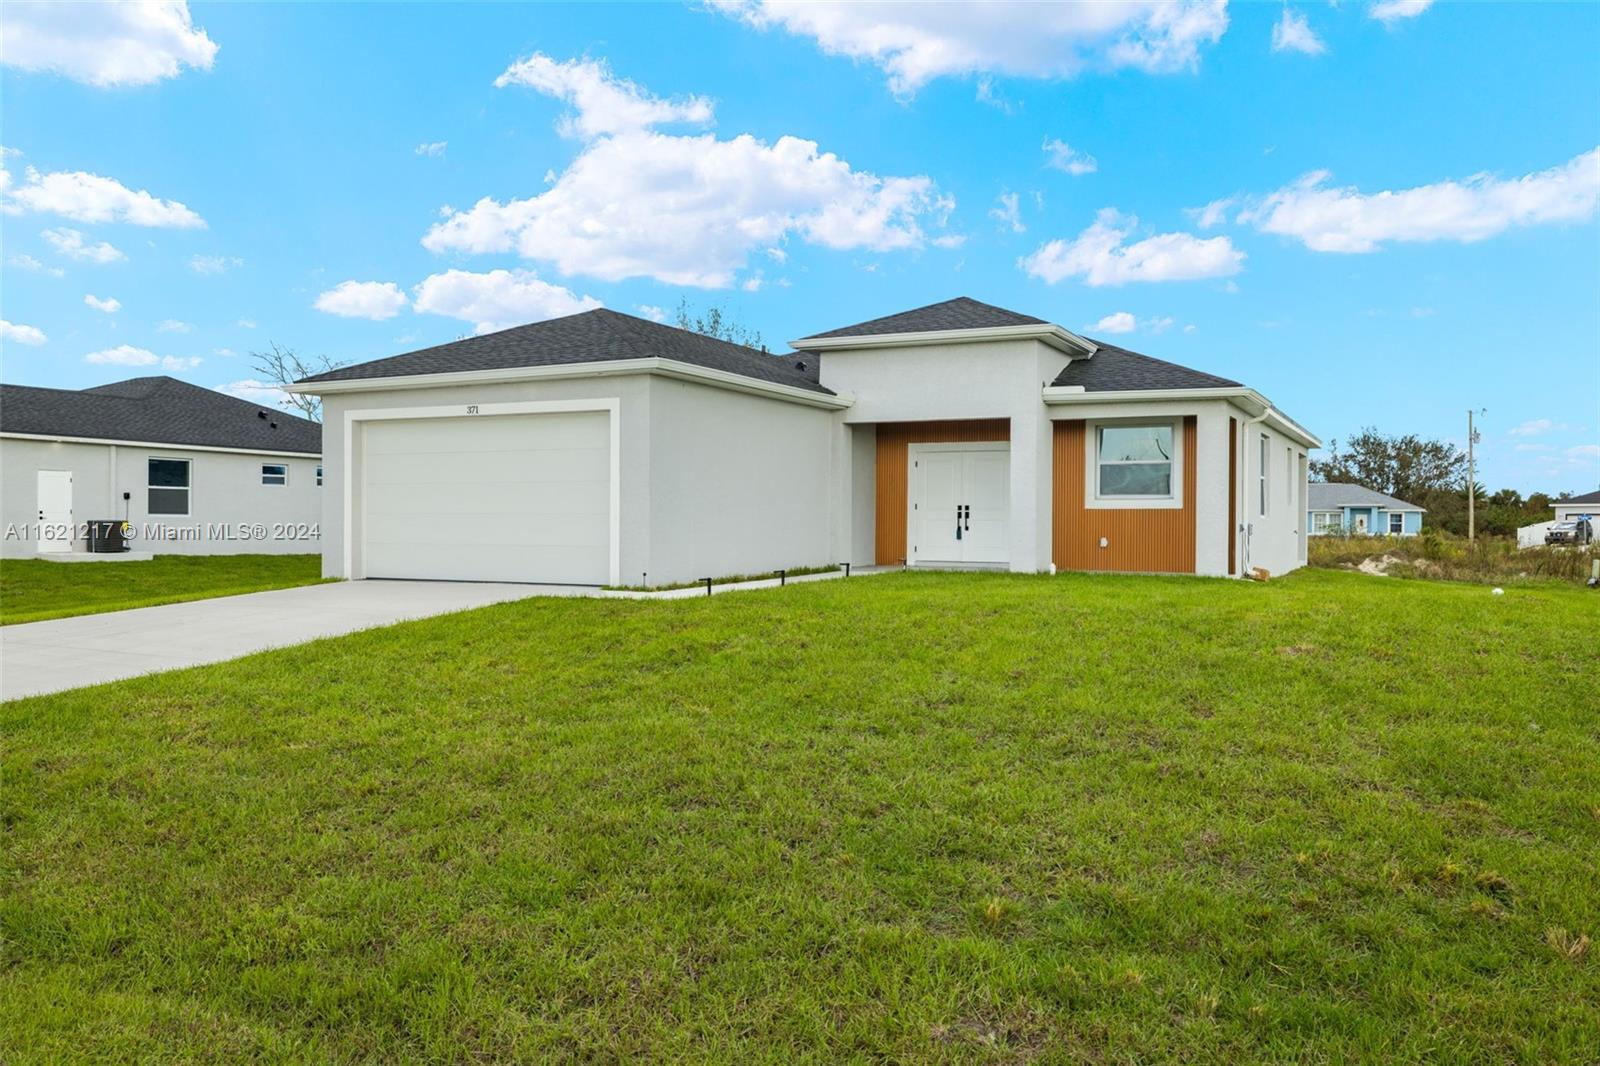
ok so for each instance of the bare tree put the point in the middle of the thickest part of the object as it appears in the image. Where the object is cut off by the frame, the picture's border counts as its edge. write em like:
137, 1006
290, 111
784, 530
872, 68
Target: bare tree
283, 366
714, 322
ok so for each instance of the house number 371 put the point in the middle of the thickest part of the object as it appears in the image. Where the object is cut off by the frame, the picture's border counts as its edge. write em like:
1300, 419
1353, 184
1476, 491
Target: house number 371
472, 408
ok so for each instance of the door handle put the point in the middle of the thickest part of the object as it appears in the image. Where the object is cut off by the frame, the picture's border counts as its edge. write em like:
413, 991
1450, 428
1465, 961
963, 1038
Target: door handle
958, 521
968, 519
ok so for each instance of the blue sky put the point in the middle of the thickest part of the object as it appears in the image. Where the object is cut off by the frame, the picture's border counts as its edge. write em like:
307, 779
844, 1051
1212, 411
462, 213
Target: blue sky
1402, 196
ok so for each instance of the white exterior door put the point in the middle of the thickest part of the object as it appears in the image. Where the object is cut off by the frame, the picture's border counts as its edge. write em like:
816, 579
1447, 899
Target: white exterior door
55, 511
960, 503
523, 497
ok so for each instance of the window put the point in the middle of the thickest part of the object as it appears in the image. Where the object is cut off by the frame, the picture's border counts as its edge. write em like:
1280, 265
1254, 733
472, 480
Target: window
1397, 523
1326, 522
1135, 461
274, 474
1266, 444
1288, 476
167, 486
319, 477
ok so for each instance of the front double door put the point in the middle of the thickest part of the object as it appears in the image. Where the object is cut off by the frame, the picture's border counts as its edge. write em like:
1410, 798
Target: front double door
960, 504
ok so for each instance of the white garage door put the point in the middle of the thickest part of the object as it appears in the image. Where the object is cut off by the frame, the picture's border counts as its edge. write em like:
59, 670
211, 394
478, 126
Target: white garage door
488, 498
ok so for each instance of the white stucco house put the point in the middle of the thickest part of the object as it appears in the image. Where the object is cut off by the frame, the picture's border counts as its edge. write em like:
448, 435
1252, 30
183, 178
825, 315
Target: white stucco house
604, 449
191, 471
1339, 508
1577, 506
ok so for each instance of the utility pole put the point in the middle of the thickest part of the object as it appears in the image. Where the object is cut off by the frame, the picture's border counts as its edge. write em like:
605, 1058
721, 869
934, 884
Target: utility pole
1472, 481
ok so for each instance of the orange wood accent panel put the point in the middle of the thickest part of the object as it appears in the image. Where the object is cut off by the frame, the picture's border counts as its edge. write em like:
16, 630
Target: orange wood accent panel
1140, 540
892, 479
1233, 496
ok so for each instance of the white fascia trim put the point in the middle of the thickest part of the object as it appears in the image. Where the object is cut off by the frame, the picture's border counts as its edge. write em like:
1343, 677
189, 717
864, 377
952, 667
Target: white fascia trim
1060, 339
1250, 400
159, 445
671, 368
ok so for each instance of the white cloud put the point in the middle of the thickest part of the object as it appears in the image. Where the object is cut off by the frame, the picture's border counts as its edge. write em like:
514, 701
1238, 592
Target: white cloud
1293, 33
602, 102
916, 43
1213, 214
135, 42
752, 283
434, 149
172, 325
71, 243
1119, 322
1535, 427
226, 353
690, 210
949, 240
248, 323
1006, 212
28, 262
15, 331
1190, 328
376, 300
1327, 219
110, 305
653, 313
1390, 11
686, 210
1100, 256
261, 392
1066, 158
777, 255
85, 197
1158, 325
497, 300
123, 355
177, 362
1582, 453
214, 264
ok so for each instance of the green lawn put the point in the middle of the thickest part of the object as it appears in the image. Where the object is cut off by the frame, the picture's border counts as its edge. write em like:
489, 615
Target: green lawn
913, 817
32, 590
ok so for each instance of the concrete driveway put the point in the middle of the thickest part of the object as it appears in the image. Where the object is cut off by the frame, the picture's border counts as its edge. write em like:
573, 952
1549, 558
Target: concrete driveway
42, 657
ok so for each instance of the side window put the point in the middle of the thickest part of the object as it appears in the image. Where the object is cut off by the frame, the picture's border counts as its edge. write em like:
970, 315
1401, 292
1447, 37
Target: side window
274, 474
167, 486
1266, 459
319, 477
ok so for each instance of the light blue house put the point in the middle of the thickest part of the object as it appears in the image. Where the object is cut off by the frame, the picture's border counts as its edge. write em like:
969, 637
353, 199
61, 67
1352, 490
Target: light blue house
1352, 509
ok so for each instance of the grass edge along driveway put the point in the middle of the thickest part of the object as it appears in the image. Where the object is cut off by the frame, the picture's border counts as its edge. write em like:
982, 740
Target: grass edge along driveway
920, 817
34, 590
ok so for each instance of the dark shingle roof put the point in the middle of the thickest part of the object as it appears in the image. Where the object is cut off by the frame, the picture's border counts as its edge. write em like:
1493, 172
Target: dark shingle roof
1588, 497
159, 410
601, 335
960, 313
1324, 496
1114, 369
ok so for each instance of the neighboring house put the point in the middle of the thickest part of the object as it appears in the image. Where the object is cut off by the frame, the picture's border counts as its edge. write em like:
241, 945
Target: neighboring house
1354, 509
602, 448
192, 471
1572, 507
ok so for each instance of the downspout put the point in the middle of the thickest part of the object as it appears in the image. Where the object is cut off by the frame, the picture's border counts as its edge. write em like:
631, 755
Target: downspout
1246, 526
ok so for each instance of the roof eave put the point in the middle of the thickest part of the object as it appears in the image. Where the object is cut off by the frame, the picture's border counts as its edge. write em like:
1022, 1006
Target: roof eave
68, 438
1062, 340
671, 368
1240, 395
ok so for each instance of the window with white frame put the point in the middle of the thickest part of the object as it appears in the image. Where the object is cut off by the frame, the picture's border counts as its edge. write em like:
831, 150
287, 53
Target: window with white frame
1134, 462
274, 474
1326, 521
319, 477
1266, 445
167, 486
1397, 523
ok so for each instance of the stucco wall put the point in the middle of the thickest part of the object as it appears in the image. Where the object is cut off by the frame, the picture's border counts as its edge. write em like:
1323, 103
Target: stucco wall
1272, 540
740, 484
225, 490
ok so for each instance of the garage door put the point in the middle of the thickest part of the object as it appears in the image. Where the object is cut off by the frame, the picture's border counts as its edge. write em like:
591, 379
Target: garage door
488, 498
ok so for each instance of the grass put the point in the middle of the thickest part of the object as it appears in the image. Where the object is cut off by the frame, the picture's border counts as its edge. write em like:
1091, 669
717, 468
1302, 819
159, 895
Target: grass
908, 817
32, 590
1441, 556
